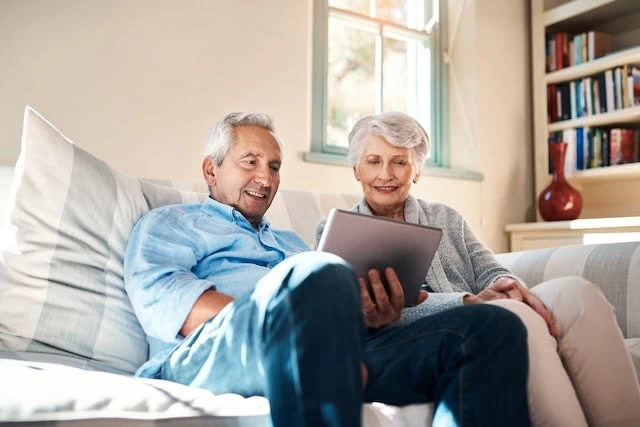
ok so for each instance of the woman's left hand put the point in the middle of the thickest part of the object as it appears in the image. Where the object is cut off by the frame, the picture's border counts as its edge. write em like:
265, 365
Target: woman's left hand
518, 291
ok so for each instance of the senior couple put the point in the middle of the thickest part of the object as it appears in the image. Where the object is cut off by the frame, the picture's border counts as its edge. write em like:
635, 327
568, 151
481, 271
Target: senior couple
232, 305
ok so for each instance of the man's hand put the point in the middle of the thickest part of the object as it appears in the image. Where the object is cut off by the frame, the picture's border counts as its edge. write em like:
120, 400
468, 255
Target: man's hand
506, 287
380, 308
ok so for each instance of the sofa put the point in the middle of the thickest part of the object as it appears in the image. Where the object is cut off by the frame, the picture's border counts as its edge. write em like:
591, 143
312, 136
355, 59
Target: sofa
69, 340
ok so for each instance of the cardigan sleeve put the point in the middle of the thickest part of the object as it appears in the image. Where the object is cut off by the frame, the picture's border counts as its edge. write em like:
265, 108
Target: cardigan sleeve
486, 269
436, 303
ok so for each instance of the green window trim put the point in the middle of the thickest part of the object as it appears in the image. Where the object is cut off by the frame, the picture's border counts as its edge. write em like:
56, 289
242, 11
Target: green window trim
440, 152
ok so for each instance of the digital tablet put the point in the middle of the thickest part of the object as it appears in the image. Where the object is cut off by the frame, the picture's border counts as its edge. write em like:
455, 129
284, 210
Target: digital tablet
367, 242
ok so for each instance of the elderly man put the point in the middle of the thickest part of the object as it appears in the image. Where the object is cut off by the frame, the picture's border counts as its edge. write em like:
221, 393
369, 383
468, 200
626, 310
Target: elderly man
233, 306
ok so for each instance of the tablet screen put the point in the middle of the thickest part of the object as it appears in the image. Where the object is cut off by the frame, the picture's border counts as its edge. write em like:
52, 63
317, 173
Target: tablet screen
367, 242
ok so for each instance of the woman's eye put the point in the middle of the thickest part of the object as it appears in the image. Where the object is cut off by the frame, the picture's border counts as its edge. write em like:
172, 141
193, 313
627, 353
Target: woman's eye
401, 162
372, 162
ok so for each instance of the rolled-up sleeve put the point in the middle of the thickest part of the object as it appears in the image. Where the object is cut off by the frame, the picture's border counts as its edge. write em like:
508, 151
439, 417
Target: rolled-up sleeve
158, 275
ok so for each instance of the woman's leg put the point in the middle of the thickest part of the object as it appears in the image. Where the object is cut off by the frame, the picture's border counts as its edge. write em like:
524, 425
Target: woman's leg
592, 349
552, 398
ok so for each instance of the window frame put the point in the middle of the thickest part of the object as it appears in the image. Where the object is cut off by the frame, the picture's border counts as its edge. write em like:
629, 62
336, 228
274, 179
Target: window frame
439, 137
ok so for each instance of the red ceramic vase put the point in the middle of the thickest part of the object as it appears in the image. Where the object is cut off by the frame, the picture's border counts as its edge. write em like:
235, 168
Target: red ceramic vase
559, 201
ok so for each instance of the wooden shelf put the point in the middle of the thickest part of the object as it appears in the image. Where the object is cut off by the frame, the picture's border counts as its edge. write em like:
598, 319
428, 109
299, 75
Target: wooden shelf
578, 15
609, 173
628, 56
625, 116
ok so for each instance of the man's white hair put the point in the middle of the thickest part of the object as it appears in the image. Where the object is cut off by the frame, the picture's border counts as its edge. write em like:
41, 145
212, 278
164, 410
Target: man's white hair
399, 129
222, 136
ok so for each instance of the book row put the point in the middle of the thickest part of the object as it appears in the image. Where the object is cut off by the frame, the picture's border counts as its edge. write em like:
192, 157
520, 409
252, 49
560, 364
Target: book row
565, 50
589, 148
612, 90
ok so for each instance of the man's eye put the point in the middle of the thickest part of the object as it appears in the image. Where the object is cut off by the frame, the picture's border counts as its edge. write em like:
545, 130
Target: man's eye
275, 168
250, 162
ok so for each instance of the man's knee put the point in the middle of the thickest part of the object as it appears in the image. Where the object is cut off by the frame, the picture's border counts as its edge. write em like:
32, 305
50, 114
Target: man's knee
316, 277
500, 324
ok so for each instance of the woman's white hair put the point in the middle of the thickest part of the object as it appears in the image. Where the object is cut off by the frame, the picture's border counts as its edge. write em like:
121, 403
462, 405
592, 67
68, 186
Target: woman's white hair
399, 129
222, 136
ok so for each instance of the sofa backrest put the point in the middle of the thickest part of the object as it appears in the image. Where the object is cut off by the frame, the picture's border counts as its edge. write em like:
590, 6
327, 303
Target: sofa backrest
6, 177
301, 211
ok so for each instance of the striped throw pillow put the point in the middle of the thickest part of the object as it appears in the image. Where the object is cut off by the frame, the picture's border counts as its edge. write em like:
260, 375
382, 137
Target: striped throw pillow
61, 262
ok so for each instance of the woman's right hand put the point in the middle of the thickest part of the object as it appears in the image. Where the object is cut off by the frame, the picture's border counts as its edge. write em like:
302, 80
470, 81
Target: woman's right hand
382, 306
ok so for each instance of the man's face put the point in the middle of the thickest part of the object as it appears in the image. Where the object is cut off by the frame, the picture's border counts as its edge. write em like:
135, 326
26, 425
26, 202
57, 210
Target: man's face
249, 175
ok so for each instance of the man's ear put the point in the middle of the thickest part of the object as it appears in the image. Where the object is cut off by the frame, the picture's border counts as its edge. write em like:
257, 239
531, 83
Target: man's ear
208, 172
356, 174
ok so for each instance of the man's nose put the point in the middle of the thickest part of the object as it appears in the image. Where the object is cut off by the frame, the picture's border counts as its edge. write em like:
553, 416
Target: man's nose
263, 177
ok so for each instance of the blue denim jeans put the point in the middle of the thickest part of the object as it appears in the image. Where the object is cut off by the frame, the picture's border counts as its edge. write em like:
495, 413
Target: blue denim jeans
299, 339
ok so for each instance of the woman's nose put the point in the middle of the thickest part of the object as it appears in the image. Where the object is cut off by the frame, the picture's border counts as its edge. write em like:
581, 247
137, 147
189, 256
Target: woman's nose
386, 173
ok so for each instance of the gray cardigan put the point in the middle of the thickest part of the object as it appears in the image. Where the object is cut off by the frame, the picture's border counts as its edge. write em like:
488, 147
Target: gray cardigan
462, 265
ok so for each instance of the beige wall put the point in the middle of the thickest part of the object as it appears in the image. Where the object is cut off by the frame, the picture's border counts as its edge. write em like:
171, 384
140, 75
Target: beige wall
139, 82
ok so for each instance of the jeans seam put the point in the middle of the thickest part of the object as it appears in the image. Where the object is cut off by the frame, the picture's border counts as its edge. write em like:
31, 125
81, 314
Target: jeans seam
294, 348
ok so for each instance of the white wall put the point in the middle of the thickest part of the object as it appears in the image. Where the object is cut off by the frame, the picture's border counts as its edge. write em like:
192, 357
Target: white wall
139, 82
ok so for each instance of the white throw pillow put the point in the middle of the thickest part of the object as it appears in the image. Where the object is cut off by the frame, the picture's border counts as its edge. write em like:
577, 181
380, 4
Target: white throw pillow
62, 296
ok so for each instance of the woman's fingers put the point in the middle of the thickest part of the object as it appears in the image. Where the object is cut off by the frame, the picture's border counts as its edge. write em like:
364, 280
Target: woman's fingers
538, 306
396, 292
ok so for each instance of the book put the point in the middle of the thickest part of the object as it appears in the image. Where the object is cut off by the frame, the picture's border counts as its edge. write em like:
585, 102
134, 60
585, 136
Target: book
615, 136
608, 78
599, 44
627, 146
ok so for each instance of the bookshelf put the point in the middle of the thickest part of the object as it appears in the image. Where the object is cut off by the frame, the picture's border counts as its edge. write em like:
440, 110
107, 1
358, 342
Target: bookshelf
621, 19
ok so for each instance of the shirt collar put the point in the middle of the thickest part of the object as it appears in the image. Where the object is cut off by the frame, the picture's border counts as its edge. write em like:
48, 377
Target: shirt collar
212, 207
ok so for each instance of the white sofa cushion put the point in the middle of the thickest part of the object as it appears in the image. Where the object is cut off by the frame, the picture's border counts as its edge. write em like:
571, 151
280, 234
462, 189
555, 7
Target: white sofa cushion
51, 394
61, 278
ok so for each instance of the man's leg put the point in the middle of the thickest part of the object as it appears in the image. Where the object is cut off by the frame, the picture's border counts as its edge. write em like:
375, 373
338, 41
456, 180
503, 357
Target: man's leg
470, 361
297, 339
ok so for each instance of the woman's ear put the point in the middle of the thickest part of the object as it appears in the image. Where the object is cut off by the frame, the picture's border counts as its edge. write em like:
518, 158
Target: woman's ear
416, 178
356, 174
208, 172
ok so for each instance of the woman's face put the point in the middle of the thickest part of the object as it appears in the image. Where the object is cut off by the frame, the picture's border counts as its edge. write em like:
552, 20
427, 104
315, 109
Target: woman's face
386, 173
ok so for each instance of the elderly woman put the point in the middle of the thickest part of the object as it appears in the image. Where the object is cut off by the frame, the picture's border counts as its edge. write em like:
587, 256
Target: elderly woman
580, 370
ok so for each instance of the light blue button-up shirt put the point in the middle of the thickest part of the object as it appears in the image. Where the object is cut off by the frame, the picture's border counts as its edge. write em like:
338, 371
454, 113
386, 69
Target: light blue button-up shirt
177, 252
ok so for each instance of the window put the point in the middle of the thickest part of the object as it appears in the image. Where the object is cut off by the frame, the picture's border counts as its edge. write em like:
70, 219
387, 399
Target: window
372, 56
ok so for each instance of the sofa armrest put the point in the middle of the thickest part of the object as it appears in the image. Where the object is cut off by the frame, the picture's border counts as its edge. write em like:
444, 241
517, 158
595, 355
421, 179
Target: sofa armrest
613, 267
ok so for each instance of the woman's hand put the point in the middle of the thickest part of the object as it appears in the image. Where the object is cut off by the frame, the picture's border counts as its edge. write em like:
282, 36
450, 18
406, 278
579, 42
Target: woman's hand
506, 287
380, 308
